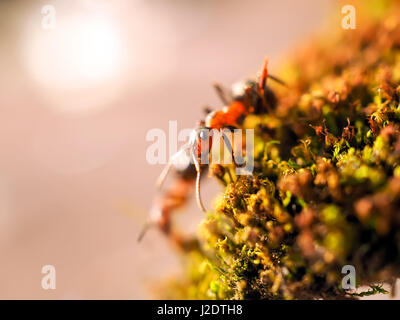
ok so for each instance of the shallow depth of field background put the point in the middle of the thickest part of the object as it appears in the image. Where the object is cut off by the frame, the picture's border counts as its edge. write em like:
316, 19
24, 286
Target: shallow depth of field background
76, 103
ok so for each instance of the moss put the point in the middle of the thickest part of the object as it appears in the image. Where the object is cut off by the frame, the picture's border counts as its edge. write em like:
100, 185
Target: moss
325, 191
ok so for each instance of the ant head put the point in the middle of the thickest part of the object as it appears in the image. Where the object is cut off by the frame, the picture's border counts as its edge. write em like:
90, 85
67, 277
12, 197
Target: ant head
200, 133
200, 124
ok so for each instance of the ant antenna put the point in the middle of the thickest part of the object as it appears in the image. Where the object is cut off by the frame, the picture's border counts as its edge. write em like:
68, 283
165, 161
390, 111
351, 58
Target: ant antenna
207, 110
198, 196
198, 169
167, 168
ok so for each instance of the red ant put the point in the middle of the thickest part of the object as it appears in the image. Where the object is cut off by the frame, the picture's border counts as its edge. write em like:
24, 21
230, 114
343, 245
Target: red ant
248, 97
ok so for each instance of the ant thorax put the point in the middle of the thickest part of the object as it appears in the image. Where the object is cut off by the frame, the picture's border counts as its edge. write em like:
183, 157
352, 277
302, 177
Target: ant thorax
200, 144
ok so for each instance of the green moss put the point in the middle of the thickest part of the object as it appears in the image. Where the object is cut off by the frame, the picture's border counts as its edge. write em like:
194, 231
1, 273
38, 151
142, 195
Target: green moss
325, 191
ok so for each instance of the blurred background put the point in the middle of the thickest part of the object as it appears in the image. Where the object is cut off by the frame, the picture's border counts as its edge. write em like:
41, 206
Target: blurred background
76, 102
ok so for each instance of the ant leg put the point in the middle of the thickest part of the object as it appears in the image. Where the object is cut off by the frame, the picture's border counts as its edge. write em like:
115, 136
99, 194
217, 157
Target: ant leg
158, 218
276, 79
224, 96
167, 168
264, 75
145, 228
184, 243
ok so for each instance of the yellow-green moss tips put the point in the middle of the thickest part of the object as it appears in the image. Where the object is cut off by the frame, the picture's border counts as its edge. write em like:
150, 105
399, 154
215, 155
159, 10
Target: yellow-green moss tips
325, 191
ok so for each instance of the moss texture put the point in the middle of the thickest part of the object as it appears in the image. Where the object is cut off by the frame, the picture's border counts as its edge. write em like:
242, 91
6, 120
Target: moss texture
325, 191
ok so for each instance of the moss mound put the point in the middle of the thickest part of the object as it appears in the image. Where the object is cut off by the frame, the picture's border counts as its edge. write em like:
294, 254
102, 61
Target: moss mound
325, 191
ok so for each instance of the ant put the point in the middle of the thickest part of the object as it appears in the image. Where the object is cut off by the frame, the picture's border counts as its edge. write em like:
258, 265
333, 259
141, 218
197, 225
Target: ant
245, 98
